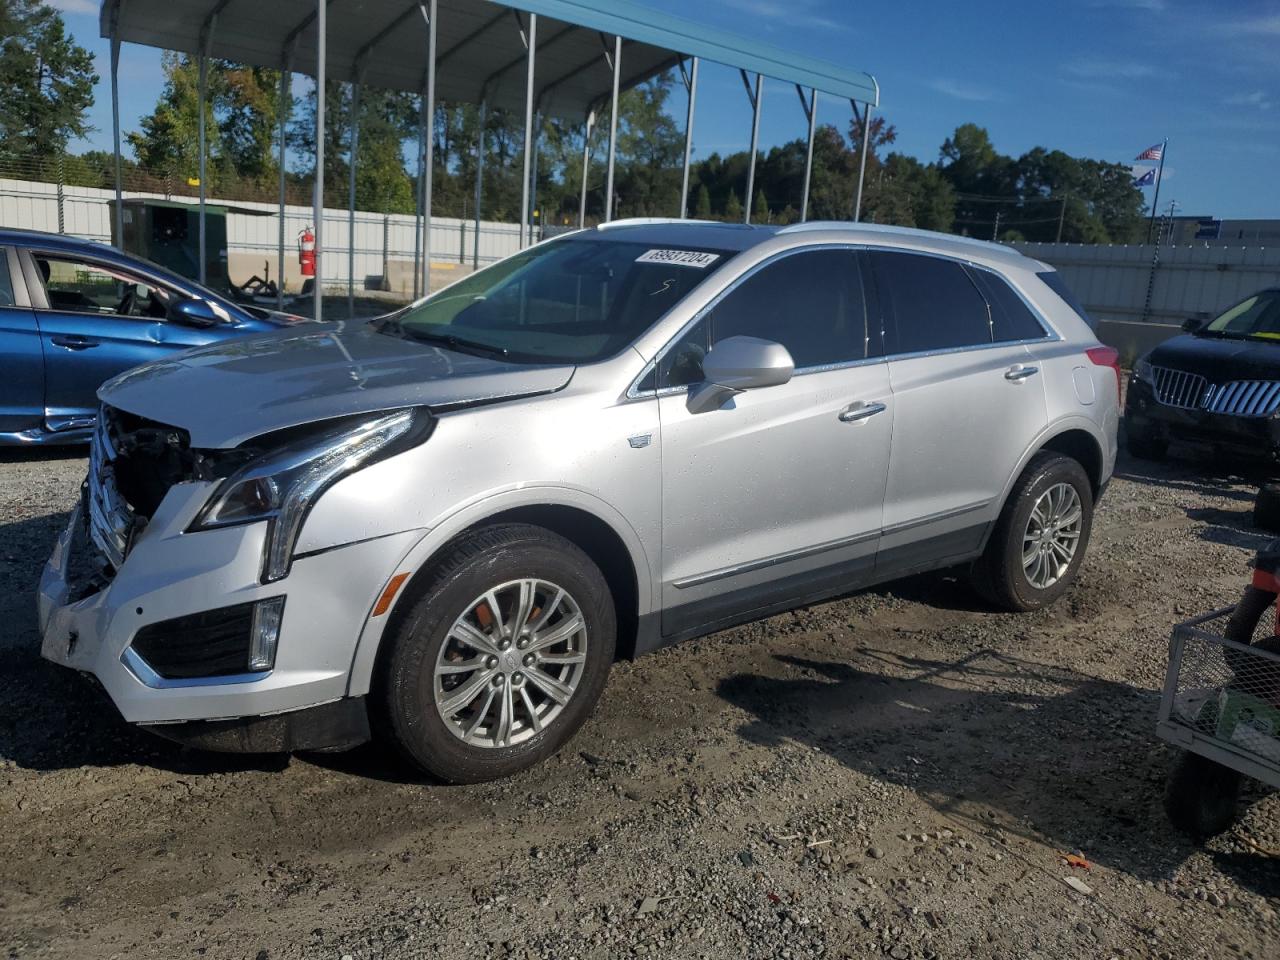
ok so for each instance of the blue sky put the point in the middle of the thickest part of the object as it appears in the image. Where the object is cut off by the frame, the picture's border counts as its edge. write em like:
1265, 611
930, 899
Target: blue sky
1098, 78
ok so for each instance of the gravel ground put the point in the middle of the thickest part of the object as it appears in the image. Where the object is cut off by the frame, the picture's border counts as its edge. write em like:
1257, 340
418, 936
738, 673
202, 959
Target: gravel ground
896, 772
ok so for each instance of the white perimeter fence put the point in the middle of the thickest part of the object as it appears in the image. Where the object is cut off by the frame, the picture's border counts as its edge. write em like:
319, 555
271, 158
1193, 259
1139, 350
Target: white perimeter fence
1139, 300
384, 243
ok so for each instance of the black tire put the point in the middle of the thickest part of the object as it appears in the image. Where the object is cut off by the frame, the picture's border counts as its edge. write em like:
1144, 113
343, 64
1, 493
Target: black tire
1266, 508
403, 705
1145, 446
1200, 797
998, 575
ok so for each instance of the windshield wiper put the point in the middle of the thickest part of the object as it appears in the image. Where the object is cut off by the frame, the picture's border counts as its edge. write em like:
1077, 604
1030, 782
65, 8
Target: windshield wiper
454, 342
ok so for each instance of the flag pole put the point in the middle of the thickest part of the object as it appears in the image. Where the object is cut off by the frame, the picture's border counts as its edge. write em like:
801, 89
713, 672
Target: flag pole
1155, 200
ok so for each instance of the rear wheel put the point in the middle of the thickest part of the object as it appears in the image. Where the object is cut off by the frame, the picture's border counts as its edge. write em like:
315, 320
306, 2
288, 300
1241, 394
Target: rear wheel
1041, 537
501, 658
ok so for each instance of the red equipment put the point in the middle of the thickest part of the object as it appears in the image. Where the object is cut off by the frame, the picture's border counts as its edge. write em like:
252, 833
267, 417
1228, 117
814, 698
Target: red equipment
307, 252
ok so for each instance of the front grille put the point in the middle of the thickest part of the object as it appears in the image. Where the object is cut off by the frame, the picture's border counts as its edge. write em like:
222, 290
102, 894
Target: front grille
1245, 398
1177, 388
109, 518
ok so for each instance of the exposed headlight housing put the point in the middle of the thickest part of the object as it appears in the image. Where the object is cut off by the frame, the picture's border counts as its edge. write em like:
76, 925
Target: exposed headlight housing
282, 485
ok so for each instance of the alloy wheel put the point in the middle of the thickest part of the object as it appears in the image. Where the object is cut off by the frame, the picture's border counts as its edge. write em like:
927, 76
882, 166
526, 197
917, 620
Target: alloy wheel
1052, 535
511, 663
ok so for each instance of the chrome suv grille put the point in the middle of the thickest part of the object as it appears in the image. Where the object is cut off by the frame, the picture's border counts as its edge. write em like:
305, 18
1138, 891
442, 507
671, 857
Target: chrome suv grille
1177, 388
1244, 398
110, 518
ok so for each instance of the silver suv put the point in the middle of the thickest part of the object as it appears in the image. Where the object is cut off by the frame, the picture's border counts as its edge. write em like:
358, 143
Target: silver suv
443, 526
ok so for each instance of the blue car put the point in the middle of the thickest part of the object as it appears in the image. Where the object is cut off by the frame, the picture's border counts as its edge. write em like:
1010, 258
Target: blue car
74, 313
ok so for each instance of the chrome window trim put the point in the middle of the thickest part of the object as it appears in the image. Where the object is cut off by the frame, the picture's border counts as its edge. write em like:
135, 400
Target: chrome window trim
143, 672
1051, 334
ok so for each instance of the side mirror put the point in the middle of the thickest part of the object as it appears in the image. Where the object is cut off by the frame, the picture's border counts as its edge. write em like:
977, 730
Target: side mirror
736, 364
194, 313
1192, 324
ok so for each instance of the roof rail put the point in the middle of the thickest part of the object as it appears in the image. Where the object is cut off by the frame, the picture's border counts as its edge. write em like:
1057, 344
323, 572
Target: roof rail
646, 221
816, 225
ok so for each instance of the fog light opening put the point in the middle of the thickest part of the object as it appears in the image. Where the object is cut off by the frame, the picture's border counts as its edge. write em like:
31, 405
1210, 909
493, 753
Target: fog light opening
265, 634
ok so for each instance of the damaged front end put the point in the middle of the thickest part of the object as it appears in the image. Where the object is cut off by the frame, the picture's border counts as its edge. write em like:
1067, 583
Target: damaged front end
134, 462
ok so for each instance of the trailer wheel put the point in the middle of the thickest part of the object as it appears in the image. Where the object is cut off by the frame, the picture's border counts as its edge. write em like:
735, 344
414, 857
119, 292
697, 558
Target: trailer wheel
1200, 797
1266, 508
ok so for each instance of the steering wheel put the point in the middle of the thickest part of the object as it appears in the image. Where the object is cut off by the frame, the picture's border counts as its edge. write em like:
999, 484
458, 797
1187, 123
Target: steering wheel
125, 306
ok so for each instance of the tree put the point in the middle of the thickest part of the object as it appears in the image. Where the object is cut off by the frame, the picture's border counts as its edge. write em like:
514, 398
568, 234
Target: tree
241, 139
47, 82
760, 208
733, 209
702, 208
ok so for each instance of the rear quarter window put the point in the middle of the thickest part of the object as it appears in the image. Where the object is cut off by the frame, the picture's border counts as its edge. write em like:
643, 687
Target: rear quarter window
1053, 280
1011, 318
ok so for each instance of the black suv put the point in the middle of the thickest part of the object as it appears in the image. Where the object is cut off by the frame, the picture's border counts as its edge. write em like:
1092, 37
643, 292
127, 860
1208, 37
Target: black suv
1218, 384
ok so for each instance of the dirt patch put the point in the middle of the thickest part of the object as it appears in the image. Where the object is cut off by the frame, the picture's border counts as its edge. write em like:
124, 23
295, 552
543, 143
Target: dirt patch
900, 771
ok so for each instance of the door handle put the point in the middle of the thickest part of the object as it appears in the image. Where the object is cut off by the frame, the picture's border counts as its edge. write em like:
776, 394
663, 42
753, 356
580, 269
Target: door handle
73, 342
860, 410
1017, 374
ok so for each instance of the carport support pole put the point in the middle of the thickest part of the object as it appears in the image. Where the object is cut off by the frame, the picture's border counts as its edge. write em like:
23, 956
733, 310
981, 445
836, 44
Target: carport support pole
531, 43
475, 256
201, 94
429, 108
755, 143
115, 121
286, 80
586, 166
688, 137
808, 157
322, 36
613, 129
351, 200
862, 164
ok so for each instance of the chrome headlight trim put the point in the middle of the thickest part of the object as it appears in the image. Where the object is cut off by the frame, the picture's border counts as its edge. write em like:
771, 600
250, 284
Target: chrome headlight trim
282, 485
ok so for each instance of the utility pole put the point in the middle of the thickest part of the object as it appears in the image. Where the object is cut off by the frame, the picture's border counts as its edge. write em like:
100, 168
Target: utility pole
995, 227
1062, 215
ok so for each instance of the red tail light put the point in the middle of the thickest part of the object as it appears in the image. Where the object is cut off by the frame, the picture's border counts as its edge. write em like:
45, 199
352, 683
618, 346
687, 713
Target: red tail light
1107, 357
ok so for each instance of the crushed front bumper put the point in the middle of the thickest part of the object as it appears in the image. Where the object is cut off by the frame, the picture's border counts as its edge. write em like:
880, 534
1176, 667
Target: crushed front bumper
170, 574
1249, 437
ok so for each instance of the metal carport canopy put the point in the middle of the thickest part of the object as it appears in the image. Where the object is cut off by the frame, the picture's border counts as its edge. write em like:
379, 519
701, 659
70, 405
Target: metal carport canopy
480, 51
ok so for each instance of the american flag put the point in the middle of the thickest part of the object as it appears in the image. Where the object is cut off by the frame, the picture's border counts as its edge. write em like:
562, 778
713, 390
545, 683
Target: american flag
1151, 153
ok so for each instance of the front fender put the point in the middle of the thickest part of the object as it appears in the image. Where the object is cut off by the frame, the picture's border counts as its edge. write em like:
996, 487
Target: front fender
475, 513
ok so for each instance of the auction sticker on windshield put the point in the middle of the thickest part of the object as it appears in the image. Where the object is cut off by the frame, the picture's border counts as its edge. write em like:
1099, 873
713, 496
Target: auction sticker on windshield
679, 258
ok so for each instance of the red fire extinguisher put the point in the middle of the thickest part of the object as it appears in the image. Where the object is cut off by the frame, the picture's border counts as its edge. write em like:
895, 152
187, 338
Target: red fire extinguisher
307, 252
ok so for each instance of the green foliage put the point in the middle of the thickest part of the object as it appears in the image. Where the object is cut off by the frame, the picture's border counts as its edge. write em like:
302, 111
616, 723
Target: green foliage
46, 82
702, 208
733, 209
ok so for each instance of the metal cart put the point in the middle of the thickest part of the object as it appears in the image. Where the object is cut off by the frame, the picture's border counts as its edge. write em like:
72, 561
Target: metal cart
1221, 707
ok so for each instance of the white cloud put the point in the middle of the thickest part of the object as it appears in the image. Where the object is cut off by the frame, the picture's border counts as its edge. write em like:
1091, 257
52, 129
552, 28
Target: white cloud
795, 13
1113, 70
1255, 99
1267, 25
1153, 5
961, 90
89, 7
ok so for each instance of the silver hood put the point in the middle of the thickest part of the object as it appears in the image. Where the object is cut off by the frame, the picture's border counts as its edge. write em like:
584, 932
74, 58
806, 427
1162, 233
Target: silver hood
230, 392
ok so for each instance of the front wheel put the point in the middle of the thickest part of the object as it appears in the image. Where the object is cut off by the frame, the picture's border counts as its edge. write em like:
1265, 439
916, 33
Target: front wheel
501, 658
1040, 539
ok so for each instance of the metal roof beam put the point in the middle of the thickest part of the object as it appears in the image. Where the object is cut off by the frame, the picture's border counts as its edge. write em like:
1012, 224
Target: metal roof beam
303, 24
386, 31
473, 35
512, 64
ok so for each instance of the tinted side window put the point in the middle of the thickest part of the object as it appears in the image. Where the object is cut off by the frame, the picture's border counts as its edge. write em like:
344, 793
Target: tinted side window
812, 303
6, 282
81, 286
1011, 319
1053, 280
932, 302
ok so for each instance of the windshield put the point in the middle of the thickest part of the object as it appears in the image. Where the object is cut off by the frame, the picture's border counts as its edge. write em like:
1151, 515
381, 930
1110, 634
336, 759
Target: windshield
1258, 317
575, 300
